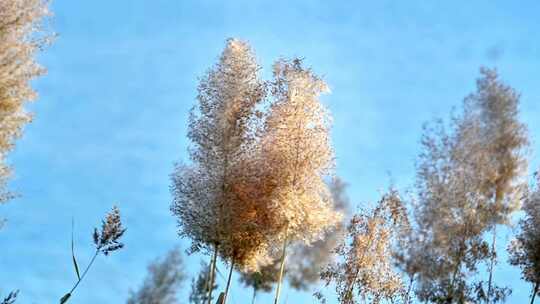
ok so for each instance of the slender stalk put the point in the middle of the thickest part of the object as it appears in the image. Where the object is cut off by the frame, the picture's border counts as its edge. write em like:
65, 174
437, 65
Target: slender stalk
66, 297
408, 294
451, 291
207, 286
254, 295
535, 291
228, 282
212, 273
221, 298
461, 254
85, 272
454, 275
282, 266
491, 263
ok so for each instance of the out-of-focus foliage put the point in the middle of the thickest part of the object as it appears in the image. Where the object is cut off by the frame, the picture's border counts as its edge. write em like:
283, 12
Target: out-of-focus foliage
469, 179
498, 156
450, 217
199, 286
164, 278
308, 261
366, 270
525, 248
261, 280
22, 34
492, 145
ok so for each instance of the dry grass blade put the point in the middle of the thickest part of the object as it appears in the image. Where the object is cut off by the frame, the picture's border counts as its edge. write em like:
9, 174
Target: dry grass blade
73, 252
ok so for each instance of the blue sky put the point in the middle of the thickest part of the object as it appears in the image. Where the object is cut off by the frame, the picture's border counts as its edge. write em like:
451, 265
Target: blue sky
111, 117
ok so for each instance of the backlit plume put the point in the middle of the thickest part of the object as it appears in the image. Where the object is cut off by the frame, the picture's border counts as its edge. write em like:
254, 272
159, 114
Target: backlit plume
22, 35
297, 154
256, 180
308, 261
222, 132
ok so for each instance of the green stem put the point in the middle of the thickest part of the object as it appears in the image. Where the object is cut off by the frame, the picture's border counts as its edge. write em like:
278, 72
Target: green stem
212, 274
535, 291
254, 295
68, 295
282, 266
451, 292
228, 282
492, 262
407, 297
207, 282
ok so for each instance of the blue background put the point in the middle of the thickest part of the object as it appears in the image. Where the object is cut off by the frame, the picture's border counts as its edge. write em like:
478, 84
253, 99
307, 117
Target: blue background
111, 117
